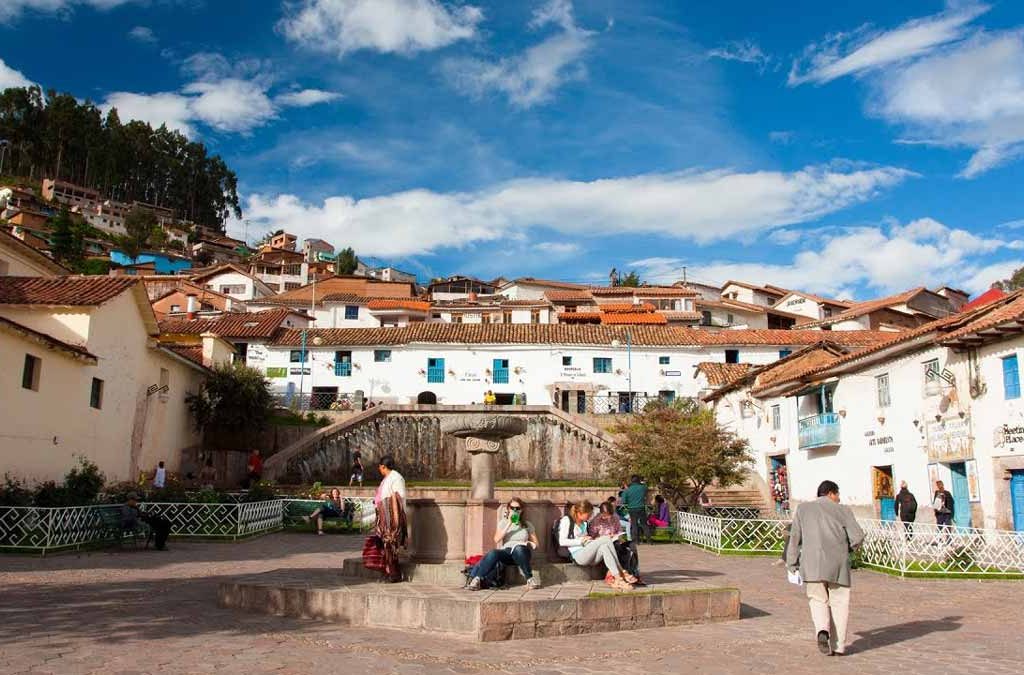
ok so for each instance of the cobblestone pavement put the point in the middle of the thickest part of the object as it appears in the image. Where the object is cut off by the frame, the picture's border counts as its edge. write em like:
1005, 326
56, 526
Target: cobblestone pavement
137, 611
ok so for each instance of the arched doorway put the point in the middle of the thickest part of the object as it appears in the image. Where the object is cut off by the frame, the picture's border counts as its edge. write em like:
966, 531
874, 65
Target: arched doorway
427, 397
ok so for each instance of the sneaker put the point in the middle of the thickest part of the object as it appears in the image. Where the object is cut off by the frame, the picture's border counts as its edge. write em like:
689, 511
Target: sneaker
823, 643
474, 584
532, 584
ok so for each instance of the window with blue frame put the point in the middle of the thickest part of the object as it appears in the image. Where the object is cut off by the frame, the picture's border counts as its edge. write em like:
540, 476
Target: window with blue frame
602, 364
499, 375
296, 356
663, 360
1011, 378
343, 364
783, 353
351, 312
435, 370
666, 396
382, 355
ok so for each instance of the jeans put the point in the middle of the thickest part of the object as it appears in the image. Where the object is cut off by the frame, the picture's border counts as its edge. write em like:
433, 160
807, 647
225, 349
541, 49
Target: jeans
519, 556
638, 528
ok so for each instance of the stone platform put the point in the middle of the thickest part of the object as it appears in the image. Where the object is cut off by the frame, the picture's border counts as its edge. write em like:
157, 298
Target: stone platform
514, 613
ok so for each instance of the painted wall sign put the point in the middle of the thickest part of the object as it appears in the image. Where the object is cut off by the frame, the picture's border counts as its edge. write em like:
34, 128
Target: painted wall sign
949, 439
795, 301
973, 485
880, 442
277, 372
573, 372
1008, 435
470, 376
673, 373
300, 371
256, 354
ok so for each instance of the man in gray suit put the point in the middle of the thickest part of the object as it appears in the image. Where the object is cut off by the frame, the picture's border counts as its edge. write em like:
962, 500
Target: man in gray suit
822, 536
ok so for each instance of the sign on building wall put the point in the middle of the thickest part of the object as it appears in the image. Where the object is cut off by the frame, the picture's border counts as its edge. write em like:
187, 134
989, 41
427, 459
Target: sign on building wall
470, 376
973, 488
277, 372
573, 372
1008, 438
949, 439
256, 354
880, 441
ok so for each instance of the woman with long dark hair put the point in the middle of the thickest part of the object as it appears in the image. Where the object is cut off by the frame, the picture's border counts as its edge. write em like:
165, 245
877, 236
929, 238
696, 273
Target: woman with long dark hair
390, 530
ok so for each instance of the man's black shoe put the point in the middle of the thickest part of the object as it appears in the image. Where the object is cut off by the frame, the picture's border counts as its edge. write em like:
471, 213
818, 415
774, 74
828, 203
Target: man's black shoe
823, 645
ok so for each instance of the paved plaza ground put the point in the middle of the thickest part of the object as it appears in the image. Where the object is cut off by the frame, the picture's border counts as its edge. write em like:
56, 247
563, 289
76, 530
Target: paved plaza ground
137, 611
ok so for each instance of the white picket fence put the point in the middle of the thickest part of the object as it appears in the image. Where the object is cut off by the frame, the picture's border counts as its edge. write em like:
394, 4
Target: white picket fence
923, 549
41, 530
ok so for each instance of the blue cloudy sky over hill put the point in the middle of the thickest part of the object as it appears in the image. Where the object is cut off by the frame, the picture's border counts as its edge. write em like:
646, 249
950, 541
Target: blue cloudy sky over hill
850, 150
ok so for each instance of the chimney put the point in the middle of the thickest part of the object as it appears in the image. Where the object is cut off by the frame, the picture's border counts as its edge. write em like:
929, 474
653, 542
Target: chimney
227, 304
209, 344
190, 306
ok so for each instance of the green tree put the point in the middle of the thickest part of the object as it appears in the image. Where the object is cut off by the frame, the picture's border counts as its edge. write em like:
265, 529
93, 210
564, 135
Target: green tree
63, 238
1015, 281
347, 261
234, 401
632, 279
141, 226
680, 448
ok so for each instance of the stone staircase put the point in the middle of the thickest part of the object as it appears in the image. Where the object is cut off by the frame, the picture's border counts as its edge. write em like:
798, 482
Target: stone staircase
556, 445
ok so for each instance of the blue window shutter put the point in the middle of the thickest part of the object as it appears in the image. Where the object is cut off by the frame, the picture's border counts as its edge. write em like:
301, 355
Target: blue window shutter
1011, 377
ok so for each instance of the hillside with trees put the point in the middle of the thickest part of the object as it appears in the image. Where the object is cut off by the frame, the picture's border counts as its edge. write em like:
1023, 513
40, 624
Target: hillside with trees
57, 137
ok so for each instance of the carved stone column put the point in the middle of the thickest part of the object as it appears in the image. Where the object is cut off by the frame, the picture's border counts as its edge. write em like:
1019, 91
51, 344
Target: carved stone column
482, 452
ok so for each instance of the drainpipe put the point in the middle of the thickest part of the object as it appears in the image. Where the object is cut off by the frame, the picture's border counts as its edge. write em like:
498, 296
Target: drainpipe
190, 306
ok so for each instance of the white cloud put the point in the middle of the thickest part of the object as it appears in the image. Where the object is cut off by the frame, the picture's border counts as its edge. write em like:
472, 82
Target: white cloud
556, 249
699, 206
10, 9
533, 76
744, 51
225, 96
306, 98
9, 77
143, 34
392, 26
785, 236
922, 252
156, 109
841, 54
971, 95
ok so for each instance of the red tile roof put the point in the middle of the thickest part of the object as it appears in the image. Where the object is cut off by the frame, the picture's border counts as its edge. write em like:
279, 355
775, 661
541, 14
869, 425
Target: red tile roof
234, 325
861, 308
579, 317
569, 296
77, 291
673, 315
636, 318
626, 308
367, 287
193, 353
644, 291
562, 333
413, 305
718, 374
32, 252
545, 282
991, 295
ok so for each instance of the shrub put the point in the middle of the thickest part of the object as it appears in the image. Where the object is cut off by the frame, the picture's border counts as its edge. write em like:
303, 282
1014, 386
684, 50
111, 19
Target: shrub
209, 496
84, 482
14, 492
260, 491
116, 493
49, 494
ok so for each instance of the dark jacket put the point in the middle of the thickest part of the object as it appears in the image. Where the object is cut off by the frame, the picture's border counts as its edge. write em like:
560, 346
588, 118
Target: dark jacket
906, 505
947, 499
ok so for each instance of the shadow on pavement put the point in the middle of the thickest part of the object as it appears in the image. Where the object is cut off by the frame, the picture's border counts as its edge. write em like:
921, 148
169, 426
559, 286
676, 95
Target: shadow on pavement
899, 632
751, 612
670, 576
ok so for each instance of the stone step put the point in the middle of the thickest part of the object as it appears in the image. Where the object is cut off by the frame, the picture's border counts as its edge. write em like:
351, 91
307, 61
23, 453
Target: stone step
485, 616
449, 575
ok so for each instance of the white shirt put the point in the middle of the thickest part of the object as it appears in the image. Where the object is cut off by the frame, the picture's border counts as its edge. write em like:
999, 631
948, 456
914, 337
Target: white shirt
393, 483
160, 478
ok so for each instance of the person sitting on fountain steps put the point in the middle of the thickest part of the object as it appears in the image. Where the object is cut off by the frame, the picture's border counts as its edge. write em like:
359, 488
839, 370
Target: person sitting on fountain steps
515, 539
585, 550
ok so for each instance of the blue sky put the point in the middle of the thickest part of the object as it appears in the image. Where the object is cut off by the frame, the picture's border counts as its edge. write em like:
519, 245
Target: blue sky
853, 150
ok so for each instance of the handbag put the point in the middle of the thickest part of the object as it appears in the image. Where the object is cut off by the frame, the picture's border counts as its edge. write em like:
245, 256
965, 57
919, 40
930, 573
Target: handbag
373, 553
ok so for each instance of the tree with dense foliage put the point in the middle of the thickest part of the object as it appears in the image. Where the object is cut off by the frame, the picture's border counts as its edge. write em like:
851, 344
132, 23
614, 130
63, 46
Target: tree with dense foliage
234, 402
347, 261
632, 280
1015, 282
679, 448
57, 137
141, 225
62, 238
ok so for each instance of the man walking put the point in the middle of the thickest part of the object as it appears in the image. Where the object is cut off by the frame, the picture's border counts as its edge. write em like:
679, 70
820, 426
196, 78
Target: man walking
634, 498
822, 536
906, 508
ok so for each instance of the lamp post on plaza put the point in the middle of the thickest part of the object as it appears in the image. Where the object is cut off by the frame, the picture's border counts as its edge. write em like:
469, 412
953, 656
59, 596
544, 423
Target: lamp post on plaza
629, 366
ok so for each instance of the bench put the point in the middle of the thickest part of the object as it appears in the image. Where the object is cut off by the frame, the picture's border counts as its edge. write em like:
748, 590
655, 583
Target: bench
110, 518
296, 512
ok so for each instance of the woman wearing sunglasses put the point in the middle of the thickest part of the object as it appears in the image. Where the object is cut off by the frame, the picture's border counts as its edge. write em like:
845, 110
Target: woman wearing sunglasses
515, 540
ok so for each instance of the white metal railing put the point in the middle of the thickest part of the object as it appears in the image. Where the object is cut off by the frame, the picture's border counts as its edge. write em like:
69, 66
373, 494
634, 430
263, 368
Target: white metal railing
41, 530
919, 549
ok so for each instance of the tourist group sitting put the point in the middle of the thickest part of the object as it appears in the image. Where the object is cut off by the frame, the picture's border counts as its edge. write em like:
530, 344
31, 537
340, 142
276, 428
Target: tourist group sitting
331, 506
515, 539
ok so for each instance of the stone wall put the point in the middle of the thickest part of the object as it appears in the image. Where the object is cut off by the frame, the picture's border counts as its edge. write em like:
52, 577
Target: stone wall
549, 450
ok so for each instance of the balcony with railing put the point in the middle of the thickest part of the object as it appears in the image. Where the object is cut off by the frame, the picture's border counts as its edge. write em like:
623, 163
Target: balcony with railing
435, 374
819, 431
500, 376
343, 368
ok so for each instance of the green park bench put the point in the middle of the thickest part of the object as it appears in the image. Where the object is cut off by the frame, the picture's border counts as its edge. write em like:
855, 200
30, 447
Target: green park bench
113, 530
